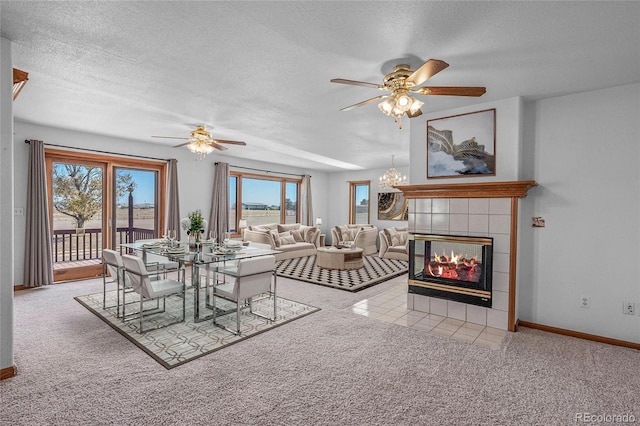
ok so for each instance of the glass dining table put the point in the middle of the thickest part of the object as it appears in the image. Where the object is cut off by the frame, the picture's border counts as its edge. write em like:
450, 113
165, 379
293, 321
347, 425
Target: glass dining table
205, 259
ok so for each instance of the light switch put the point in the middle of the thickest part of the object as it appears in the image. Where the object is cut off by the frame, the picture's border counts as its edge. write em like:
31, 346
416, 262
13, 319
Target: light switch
537, 222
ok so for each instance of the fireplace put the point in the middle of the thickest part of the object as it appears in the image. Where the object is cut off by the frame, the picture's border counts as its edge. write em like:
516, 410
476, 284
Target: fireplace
451, 267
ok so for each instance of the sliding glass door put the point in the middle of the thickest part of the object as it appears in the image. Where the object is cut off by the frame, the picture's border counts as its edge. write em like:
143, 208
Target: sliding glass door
78, 224
135, 206
96, 202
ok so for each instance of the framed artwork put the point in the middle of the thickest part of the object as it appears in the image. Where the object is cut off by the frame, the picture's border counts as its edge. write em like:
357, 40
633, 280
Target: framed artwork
392, 206
462, 145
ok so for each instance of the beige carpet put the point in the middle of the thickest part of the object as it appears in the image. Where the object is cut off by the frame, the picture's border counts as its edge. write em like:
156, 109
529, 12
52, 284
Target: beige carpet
179, 343
330, 368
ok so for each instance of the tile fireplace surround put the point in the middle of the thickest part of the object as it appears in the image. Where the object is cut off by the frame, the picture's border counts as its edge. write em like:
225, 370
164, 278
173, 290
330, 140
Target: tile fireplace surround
472, 209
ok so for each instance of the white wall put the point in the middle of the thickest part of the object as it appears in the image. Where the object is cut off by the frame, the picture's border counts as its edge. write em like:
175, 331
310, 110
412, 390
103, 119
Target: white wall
583, 151
195, 177
6, 206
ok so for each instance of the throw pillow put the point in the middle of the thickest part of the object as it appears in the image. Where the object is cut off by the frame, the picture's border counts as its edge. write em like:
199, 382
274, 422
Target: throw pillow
304, 229
298, 236
288, 227
276, 237
349, 234
311, 236
338, 230
287, 239
404, 237
393, 236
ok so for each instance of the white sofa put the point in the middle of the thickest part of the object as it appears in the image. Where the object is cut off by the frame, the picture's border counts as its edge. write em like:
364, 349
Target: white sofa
363, 236
293, 240
394, 244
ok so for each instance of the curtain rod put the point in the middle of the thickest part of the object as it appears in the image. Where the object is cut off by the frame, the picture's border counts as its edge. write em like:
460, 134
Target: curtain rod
265, 171
27, 141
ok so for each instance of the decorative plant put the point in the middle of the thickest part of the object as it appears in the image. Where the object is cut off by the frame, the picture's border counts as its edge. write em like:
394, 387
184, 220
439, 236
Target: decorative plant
194, 223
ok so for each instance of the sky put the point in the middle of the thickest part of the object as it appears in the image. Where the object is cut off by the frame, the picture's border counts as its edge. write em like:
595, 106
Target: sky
145, 189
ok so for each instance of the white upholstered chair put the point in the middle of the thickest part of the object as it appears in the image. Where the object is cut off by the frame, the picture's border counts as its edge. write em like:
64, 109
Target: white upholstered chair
252, 277
363, 236
112, 263
394, 244
149, 290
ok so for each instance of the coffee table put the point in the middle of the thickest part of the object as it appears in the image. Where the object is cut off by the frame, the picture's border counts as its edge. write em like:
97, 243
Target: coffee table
335, 258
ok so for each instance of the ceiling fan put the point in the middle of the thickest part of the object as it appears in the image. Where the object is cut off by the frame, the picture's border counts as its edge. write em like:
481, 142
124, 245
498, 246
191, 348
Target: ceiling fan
402, 82
201, 142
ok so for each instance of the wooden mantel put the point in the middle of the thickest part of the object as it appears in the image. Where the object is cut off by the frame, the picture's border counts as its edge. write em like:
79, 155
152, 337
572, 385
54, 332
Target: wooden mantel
509, 189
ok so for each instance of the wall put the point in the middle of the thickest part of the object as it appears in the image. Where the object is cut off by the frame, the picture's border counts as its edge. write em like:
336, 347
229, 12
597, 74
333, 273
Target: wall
583, 151
195, 177
6, 210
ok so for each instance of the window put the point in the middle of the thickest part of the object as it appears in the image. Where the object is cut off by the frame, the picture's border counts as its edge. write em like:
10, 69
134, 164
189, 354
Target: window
359, 202
262, 199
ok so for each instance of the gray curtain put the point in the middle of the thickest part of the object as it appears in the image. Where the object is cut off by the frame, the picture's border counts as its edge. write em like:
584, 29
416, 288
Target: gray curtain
306, 206
38, 264
219, 218
173, 198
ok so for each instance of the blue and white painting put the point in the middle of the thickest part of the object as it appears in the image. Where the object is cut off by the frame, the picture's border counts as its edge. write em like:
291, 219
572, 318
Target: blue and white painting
462, 145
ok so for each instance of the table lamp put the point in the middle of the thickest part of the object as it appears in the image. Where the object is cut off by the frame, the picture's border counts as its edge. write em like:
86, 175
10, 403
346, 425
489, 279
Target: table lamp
242, 224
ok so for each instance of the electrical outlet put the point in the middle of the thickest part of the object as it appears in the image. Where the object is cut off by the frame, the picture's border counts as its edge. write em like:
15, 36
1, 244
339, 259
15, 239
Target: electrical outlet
585, 302
18, 211
628, 308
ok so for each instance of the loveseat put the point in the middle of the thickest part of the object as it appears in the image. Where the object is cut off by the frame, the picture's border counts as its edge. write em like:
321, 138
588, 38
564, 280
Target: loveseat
363, 236
294, 240
394, 244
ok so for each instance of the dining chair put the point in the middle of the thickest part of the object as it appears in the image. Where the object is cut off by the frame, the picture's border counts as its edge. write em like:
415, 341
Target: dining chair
252, 277
112, 263
149, 290
156, 262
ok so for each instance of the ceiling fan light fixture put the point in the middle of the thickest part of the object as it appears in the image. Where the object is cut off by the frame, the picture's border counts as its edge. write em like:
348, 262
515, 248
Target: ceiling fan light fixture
402, 82
399, 104
200, 147
404, 101
415, 106
387, 105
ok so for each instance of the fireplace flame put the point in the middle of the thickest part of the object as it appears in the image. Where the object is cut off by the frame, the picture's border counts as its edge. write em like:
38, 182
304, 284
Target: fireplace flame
456, 266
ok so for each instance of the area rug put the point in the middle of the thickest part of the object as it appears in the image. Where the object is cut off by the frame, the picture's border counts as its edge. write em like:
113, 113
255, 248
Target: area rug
179, 343
375, 270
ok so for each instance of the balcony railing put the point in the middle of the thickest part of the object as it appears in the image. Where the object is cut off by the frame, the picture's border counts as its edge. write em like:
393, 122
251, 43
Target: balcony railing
70, 245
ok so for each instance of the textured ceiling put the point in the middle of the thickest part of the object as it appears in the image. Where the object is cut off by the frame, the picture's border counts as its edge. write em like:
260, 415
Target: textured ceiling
260, 71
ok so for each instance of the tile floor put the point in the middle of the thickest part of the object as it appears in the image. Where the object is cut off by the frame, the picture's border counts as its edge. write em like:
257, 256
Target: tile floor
391, 306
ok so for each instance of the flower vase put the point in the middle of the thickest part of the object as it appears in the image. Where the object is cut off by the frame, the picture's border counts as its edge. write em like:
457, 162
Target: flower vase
194, 239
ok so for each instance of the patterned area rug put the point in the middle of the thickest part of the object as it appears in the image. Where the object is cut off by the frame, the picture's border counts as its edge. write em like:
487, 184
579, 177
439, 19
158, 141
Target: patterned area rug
179, 343
375, 270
